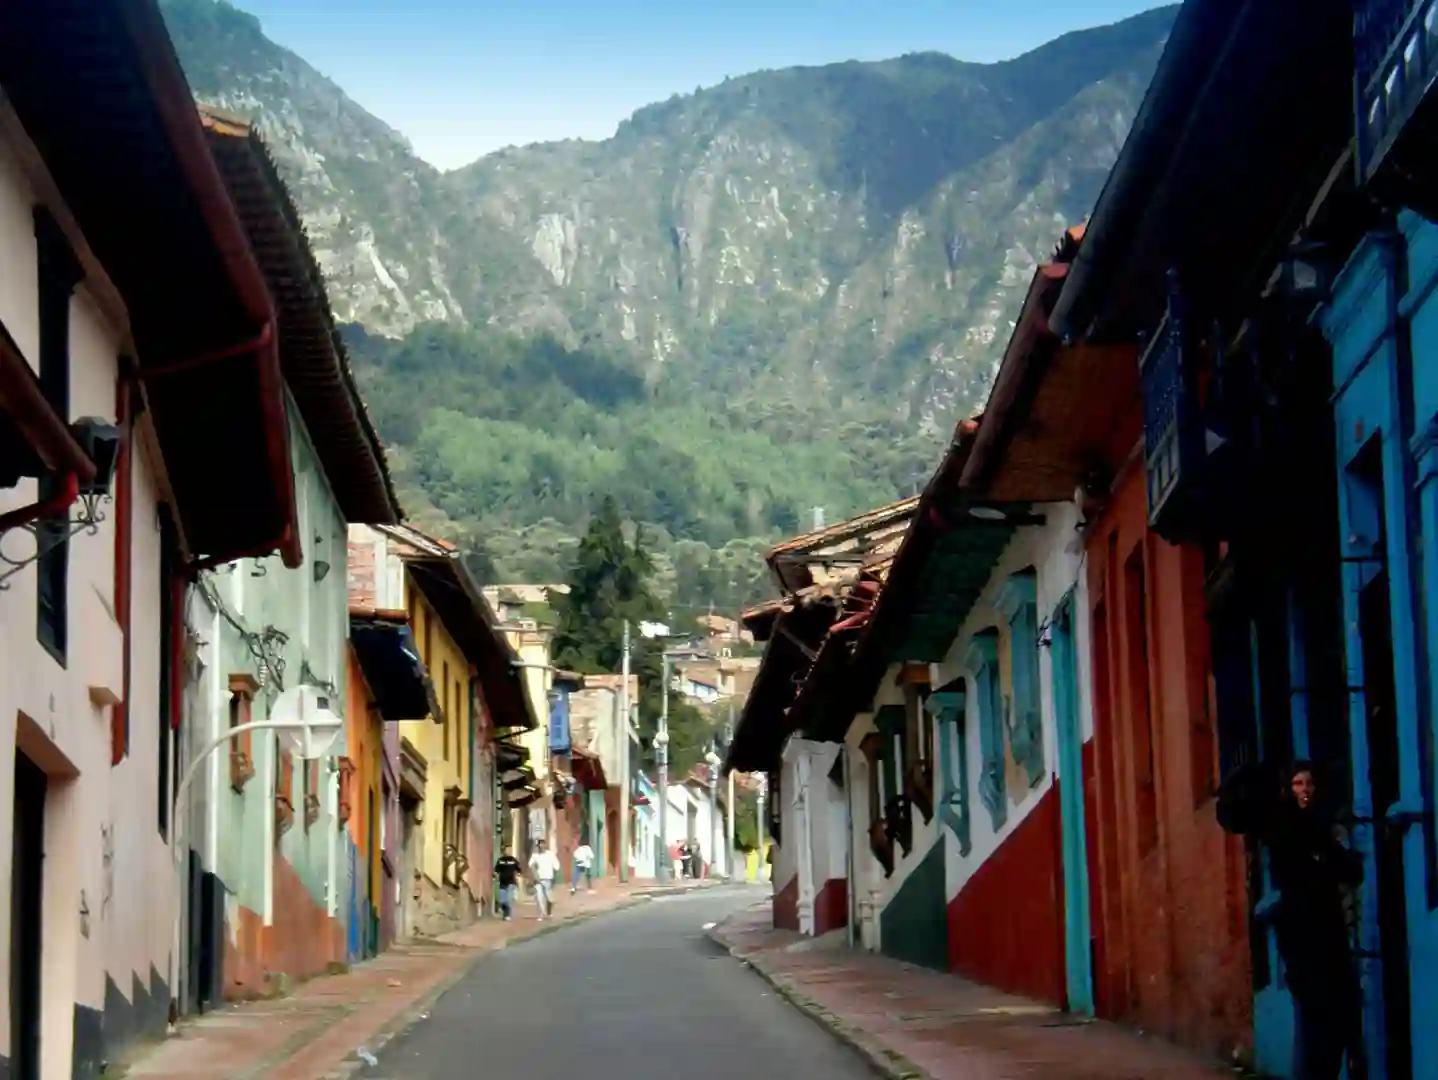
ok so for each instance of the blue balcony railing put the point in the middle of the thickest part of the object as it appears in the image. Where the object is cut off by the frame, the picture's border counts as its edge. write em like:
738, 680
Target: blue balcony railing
1172, 419
1395, 46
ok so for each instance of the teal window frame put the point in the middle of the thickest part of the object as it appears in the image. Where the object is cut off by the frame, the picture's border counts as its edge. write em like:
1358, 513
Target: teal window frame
1018, 603
947, 708
982, 660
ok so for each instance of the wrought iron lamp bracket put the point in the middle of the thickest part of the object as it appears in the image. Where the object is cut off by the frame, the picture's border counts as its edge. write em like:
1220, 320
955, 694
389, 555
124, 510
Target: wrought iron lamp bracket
49, 535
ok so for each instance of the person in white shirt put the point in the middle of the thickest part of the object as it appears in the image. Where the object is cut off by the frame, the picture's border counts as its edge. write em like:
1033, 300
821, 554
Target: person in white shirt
583, 867
543, 870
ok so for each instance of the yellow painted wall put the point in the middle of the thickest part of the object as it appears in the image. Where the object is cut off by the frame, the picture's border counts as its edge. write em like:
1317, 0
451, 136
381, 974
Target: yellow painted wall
446, 746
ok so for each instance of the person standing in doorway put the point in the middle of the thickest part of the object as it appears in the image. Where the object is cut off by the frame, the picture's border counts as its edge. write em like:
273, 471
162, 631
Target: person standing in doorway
543, 870
506, 872
1313, 871
583, 867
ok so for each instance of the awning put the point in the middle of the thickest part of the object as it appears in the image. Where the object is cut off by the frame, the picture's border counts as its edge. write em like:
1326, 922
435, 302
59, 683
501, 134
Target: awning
517, 800
389, 659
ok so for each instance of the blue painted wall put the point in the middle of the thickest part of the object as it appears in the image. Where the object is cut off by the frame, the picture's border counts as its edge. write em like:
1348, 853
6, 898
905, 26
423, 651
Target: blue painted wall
1383, 325
1078, 931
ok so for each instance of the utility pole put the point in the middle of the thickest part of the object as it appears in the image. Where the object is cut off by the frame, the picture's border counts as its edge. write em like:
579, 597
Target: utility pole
625, 778
729, 802
661, 753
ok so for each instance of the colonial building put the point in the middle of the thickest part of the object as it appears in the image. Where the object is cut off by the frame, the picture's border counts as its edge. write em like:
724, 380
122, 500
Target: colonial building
121, 423
270, 861
477, 699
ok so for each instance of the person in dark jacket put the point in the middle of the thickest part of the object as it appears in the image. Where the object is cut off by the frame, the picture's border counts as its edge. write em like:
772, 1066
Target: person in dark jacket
1311, 870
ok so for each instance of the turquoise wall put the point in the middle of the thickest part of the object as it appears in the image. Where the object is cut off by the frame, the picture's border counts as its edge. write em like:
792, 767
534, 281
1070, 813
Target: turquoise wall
260, 601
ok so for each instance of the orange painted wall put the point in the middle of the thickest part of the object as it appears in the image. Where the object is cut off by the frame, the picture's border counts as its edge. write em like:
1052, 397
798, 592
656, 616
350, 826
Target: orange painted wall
1170, 885
365, 732
303, 942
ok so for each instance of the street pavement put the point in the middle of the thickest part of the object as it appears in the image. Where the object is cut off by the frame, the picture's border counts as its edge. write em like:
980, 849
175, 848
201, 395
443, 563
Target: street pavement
642, 993
915, 1024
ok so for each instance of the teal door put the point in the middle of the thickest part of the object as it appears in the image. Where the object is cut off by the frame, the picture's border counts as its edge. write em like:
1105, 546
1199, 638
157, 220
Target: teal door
1077, 928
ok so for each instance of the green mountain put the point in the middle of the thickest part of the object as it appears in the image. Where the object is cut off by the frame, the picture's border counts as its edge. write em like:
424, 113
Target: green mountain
761, 297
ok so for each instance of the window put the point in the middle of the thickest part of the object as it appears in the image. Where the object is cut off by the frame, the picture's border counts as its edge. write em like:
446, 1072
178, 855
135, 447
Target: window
445, 707
1018, 602
982, 660
59, 273
243, 688
1140, 703
461, 727
946, 707
284, 793
918, 743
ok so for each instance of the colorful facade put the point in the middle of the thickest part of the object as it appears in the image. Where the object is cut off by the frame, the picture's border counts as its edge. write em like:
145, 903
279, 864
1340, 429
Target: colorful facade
99, 406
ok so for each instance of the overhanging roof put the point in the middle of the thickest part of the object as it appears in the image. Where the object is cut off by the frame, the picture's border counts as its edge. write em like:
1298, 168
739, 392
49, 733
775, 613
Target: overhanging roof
313, 359
438, 570
1244, 118
99, 91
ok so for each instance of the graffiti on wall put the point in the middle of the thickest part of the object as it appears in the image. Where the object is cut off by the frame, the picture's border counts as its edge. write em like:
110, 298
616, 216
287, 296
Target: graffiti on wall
107, 858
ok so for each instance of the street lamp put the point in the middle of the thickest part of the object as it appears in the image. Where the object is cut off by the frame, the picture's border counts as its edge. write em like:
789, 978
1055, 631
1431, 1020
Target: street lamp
305, 709
661, 755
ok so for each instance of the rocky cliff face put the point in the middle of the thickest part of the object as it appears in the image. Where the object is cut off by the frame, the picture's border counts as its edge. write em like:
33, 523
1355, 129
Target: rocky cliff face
856, 232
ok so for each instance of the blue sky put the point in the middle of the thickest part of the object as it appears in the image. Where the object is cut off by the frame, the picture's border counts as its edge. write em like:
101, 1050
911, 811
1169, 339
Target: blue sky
463, 77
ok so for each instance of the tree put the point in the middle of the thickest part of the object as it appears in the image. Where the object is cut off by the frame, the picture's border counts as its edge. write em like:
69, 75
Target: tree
608, 585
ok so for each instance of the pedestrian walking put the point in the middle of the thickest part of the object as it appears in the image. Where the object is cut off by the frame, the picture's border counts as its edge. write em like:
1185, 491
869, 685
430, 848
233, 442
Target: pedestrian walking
1313, 872
506, 872
583, 859
686, 859
543, 871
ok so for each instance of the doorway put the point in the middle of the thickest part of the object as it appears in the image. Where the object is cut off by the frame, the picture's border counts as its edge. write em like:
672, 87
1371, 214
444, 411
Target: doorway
1383, 741
1078, 928
27, 891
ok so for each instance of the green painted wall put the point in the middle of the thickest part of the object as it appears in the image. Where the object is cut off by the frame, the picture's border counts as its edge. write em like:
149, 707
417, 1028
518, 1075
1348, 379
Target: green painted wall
313, 616
914, 925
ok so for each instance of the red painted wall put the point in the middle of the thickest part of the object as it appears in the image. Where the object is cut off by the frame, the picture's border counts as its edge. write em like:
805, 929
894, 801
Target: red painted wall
1170, 896
831, 906
303, 941
1006, 924
786, 906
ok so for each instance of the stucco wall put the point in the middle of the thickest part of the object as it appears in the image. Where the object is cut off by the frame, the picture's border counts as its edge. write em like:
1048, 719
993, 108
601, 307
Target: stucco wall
107, 893
279, 889
448, 749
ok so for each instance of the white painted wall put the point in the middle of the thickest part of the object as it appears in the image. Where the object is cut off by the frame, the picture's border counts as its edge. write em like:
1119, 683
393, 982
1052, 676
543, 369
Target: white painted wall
107, 891
814, 825
1057, 559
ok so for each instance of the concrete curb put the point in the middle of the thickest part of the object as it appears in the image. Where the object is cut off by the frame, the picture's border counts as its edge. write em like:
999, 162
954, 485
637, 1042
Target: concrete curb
412, 1015
887, 1062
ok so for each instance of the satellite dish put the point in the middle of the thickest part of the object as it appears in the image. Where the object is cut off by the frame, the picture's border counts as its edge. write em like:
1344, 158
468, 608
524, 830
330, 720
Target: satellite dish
313, 728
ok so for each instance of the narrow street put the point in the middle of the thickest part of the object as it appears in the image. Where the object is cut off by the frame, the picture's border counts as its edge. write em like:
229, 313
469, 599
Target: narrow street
642, 993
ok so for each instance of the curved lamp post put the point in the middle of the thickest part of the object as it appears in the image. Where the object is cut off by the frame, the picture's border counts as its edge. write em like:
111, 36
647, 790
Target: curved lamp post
322, 721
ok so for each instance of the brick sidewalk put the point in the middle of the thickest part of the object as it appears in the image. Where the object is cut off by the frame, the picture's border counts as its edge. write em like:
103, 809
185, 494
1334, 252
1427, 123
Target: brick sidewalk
314, 1034
918, 1024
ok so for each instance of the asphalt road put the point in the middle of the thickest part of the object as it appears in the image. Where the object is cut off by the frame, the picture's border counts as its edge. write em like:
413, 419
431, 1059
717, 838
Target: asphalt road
641, 994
